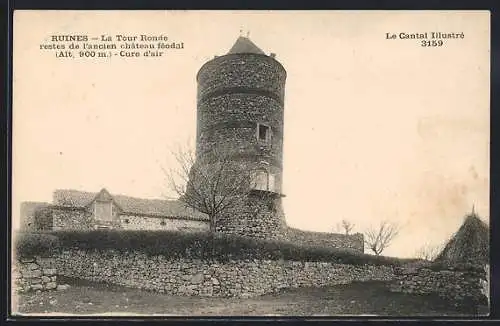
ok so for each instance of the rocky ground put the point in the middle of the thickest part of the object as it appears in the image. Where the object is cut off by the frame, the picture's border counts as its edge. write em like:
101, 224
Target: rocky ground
367, 298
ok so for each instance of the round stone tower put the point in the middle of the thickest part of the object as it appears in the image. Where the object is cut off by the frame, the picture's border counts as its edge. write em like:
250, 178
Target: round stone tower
240, 110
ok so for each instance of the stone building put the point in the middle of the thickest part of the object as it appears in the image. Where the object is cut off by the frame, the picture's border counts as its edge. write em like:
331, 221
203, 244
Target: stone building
240, 107
79, 210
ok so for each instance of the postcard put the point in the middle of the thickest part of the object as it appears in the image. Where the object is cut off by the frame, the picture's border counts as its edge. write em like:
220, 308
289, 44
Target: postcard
250, 163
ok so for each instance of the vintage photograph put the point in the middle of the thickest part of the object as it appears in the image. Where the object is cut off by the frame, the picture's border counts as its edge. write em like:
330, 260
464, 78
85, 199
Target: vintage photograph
250, 163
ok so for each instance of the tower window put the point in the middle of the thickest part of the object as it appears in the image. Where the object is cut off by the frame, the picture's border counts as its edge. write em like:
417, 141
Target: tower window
262, 180
263, 133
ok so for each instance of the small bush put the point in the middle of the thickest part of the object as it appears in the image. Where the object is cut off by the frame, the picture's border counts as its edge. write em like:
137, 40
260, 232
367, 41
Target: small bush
28, 245
205, 245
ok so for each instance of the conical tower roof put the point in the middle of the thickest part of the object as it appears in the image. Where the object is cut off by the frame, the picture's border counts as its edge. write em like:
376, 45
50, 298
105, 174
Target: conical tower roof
245, 45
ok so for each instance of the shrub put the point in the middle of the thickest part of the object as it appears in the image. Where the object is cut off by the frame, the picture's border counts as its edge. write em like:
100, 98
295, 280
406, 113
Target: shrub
205, 245
28, 245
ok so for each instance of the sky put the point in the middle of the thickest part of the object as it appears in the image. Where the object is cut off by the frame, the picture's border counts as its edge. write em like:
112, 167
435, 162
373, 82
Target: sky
375, 129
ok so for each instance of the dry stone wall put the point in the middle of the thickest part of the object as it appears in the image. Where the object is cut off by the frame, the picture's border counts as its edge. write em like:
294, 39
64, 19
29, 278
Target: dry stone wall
244, 278
459, 286
34, 274
326, 239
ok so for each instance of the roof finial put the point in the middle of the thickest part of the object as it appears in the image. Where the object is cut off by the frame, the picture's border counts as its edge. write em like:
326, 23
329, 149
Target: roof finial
248, 34
241, 31
473, 209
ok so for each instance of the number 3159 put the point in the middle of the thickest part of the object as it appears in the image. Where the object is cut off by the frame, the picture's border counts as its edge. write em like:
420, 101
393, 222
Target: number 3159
432, 43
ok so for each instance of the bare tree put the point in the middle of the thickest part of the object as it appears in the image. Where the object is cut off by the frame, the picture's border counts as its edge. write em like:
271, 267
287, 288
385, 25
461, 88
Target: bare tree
429, 252
346, 226
377, 239
213, 186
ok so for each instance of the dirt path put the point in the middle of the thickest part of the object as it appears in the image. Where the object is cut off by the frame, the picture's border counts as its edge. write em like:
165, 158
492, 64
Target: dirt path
352, 299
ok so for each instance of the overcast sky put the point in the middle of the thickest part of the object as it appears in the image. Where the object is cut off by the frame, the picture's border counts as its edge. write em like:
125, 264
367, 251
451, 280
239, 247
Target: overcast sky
374, 129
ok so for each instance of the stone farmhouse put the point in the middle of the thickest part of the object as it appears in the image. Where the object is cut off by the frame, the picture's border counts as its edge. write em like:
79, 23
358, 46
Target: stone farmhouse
72, 209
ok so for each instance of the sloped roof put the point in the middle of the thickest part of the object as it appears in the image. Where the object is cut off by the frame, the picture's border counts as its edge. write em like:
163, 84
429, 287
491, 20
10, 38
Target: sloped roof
245, 45
470, 244
132, 205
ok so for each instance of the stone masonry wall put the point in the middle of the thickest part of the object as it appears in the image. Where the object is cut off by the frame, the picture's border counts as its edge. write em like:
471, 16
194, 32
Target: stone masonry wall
67, 218
135, 222
33, 274
237, 93
27, 217
242, 70
461, 287
259, 216
227, 107
333, 240
230, 121
209, 278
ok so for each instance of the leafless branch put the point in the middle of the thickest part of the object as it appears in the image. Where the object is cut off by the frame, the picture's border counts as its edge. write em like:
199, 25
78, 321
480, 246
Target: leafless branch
428, 251
213, 186
377, 239
345, 226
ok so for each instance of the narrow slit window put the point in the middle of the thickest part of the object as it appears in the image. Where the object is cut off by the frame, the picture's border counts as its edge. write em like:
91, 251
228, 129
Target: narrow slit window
264, 133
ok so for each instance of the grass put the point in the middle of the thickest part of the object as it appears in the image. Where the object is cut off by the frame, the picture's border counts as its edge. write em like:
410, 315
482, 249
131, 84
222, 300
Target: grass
367, 298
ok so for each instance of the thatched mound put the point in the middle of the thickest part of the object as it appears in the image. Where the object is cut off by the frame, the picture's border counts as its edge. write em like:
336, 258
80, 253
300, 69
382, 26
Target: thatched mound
469, 245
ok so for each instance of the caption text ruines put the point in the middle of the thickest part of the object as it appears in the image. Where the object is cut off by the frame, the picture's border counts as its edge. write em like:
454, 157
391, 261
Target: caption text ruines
106, 46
